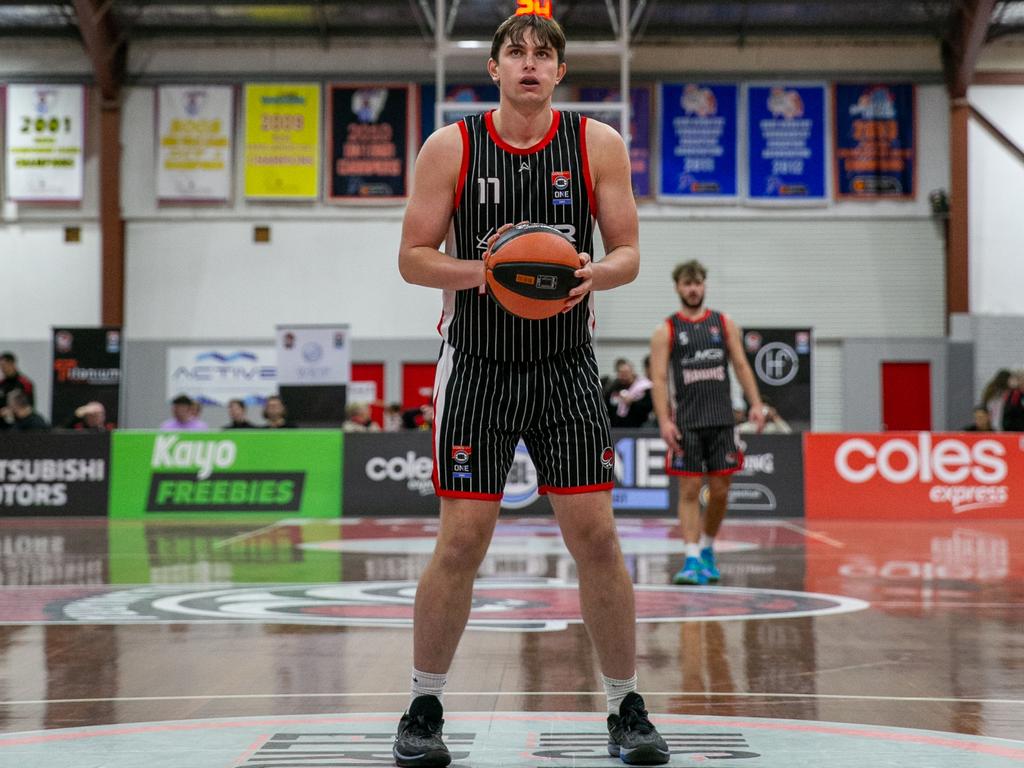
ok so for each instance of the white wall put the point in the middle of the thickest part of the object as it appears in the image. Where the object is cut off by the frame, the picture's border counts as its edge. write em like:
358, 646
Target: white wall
996, 195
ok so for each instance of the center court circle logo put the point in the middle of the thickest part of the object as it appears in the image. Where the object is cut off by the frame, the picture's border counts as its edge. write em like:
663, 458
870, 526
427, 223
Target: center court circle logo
523, 604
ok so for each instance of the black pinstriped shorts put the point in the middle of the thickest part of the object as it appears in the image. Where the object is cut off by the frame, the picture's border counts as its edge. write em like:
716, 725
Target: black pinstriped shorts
710, 450
483, 407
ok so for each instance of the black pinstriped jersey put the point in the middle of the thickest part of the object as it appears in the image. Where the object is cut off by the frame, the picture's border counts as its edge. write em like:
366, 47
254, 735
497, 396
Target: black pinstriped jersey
699, 366
548, 183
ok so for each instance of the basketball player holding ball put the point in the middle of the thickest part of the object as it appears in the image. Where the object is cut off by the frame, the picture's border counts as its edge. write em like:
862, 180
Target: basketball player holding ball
501, 377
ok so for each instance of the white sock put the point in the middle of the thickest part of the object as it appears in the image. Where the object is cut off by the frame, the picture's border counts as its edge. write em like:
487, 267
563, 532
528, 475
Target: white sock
616, 691
706, 541
693, 550
427, 684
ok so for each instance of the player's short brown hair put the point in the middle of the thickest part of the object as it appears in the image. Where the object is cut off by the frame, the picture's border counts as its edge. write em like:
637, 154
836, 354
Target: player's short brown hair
690, 270
545, 32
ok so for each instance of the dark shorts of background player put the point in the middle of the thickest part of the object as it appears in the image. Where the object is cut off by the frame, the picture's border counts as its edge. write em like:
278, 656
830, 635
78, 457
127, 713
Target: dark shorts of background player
707, 451
483, 407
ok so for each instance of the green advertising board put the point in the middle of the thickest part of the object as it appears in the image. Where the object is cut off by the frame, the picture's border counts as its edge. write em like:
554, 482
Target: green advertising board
277, 473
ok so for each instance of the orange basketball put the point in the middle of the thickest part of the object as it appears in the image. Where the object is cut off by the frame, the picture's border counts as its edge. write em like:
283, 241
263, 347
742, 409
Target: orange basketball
530, 270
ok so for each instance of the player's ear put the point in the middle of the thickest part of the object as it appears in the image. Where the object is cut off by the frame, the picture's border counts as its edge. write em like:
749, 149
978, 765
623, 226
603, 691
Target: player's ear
492, 69
561, 73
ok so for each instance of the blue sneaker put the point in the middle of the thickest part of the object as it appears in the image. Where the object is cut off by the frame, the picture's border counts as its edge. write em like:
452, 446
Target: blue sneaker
691, 573
710, 570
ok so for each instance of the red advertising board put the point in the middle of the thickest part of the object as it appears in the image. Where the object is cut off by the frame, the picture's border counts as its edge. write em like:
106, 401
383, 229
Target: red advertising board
914, 475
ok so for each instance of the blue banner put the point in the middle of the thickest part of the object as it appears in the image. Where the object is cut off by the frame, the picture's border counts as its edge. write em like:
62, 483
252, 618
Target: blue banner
698, 141
471, 94
639, 129
875, 145
786, 140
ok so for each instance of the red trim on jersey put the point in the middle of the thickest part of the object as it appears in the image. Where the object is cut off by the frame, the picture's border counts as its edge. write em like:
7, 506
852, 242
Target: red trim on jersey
545, 489
467, 495
671, 334
586, 167
702, 318
493, 132
465, 162
726, 325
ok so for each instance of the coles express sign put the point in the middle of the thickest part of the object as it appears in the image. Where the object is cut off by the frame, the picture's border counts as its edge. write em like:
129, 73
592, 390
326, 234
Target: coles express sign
921, 475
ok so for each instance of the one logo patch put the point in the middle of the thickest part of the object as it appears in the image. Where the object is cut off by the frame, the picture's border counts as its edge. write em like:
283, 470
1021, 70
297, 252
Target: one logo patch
561, 194
461, 467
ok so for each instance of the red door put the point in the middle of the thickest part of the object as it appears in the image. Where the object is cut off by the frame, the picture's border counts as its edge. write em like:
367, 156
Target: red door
906, 396
417, 384
372, 373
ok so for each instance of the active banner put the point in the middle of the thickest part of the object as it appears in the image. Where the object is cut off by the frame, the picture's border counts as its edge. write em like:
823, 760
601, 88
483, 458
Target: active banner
906, 475
86, 368
279, 472
54, 474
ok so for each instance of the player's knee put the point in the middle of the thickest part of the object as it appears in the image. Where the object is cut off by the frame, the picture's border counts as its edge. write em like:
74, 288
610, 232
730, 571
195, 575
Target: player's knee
463, 550
689, 491
595, 544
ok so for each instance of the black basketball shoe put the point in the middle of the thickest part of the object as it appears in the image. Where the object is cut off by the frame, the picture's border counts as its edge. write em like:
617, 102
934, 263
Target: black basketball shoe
632, 737
418, 742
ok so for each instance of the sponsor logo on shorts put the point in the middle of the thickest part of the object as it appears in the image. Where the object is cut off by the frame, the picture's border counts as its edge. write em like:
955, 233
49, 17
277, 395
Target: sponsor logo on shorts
608, 458
730, 457
461, 467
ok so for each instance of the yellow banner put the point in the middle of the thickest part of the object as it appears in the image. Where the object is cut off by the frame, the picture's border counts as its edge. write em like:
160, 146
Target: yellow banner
282, 141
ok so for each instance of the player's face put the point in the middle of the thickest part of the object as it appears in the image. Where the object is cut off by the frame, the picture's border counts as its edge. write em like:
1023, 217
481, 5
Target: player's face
691, 292
526, 71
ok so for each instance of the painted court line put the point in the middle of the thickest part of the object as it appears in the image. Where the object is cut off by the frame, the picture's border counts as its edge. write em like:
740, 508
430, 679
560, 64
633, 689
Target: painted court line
811, 534
454, 694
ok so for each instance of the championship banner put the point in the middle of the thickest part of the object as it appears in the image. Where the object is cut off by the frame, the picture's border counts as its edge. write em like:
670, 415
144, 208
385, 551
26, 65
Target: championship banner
215, 376
914, 475
781, 359
86, 368
282, 472
639, 129
786, 143
282, 141
369, 141
698, 143
54, 474
875, 141
194, 149
314, 369
463, 92
45, 142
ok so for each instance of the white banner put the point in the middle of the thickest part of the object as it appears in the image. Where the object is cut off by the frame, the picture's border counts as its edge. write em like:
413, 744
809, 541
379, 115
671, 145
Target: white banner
313, 355
45, 141
214, 376
195, 125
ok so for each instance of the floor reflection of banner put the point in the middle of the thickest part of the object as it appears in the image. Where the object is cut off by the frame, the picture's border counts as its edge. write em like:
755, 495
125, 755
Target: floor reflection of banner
781, 359
86, 368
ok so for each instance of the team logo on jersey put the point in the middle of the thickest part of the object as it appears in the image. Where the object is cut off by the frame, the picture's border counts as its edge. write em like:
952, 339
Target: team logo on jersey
684, 338
561, 194
716, 332
461, 467
608, 458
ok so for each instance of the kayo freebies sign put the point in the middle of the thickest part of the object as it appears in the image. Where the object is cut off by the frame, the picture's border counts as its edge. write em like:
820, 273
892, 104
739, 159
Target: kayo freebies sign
921, 475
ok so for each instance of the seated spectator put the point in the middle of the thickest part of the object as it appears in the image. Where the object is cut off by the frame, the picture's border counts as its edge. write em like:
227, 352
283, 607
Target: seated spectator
276, 414
357, 419
774, 424
993, 394
418, 418
183, 416
237, 414
1013, 404
91, 417
393, 418
19, 415
628, 396
14, 379
982, 421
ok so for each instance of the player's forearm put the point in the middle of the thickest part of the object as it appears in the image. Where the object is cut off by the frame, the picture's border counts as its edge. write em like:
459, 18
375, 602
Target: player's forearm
619, 266
659, 396
422, 265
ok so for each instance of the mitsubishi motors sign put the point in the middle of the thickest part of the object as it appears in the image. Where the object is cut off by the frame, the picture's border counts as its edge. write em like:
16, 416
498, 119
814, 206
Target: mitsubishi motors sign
922, 475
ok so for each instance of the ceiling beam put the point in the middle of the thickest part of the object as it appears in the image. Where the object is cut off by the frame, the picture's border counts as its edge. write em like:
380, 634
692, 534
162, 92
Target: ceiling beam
103, 45
960, 51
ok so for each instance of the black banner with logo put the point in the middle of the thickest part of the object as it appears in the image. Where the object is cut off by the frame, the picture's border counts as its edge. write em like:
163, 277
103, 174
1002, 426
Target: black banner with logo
781, 359
44, 474
369, 141
86, 368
